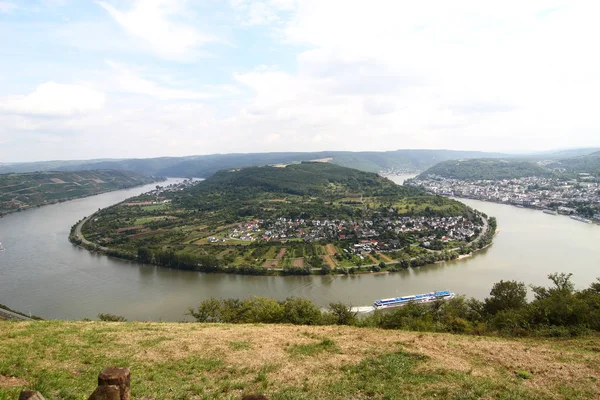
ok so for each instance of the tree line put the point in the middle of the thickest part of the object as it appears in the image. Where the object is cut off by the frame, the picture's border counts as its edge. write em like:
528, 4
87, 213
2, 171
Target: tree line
556, 311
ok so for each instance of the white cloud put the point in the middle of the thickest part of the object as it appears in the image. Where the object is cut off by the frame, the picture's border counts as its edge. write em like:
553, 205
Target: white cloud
53, 99
124, 79
159, 25
7, 6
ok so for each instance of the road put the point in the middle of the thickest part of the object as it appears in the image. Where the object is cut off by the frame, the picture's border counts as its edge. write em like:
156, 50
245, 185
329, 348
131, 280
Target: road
80, 236
11, 315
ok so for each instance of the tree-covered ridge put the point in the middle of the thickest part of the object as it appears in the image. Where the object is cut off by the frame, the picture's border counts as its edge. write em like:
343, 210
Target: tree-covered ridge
306, 190
488, 169
21, 191
206, 165
305, 179
589, 163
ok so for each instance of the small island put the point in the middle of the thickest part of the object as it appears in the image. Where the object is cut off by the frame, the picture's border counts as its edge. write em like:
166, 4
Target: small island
299, 219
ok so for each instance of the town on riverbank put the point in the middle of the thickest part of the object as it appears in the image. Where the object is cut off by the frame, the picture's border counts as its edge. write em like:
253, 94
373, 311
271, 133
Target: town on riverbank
577, 197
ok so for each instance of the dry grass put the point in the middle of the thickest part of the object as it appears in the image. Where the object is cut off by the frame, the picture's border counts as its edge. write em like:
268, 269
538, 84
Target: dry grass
247, 356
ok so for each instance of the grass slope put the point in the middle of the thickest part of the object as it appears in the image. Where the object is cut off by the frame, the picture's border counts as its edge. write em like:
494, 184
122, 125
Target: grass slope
217, 361
21, 191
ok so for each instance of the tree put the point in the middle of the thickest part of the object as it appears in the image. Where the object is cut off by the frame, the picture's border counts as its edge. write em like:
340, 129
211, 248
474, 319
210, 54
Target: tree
300, 311
144, 255
341, 314
506, 295
208, 311
325, 269
382, 264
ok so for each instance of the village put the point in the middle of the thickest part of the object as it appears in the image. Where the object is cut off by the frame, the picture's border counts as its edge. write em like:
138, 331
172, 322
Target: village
564, 196
379, 234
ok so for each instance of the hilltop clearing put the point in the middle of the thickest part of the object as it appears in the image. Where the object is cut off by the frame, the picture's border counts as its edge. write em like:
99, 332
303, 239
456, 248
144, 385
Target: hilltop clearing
219, 361
294, 219
22, 191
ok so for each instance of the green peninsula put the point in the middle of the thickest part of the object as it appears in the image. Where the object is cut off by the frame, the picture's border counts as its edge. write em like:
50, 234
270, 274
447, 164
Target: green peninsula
34, 189
299, 219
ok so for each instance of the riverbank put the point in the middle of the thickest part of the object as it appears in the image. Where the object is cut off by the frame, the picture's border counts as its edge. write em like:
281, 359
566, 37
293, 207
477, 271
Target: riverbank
225, 361
592, 221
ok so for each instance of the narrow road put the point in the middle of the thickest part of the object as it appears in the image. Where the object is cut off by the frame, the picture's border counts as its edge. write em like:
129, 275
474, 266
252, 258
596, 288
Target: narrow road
80, 236
11, 315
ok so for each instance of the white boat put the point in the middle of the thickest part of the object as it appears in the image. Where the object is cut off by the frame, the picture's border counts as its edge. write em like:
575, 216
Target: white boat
581, 219
417, 298
551, 212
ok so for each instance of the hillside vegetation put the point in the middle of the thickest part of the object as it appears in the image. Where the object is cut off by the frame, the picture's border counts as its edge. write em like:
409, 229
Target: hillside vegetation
478, 169
21, 191
262, 220
222, 361
589, 163
205, 166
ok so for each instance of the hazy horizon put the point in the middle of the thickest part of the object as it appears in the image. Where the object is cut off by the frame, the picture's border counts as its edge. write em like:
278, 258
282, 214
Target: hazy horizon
169, 78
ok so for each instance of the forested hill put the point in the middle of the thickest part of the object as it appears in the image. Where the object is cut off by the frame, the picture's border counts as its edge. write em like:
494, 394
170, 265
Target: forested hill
21, 191
307, 189
589, 163
206, 165
304, 179
488, 169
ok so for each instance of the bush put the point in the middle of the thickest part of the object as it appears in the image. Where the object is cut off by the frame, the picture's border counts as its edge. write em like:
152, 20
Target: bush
111, 318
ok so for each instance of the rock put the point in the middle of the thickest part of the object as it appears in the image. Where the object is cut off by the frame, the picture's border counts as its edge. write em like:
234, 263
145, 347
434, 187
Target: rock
120, 377
30, 395
106, 392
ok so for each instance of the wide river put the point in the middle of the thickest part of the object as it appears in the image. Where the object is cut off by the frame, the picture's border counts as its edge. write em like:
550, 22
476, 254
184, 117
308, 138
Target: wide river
43, 274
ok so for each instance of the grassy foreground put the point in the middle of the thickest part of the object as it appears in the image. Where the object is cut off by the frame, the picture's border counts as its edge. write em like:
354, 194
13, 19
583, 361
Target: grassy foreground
219, 361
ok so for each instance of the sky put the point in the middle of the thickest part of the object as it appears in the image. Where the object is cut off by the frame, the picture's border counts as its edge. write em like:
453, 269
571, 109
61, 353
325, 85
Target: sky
147, 78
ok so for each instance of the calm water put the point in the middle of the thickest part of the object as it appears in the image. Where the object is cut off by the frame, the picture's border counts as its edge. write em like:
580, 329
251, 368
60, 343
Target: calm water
42, 273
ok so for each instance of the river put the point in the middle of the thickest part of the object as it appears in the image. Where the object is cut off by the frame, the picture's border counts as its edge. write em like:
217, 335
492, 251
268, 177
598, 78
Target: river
43, 274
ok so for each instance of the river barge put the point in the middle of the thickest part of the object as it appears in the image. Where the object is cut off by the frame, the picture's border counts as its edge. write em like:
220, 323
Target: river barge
416, 298
581, 219
551, 212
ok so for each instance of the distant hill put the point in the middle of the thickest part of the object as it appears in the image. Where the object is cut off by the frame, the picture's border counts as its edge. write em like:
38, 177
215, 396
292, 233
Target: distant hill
589, 163
206, 165
21, 191
485, 169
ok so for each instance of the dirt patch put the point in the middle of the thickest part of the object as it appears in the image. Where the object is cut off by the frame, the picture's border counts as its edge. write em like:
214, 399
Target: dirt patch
150, 233
270, 264
373, 259
330, 248
281, 254
130, 228
6, 381
56, 180
329, 261
385, 258
298, 262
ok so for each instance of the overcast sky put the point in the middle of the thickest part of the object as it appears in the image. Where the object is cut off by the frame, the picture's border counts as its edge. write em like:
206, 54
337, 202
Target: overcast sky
119, 78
